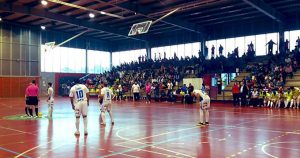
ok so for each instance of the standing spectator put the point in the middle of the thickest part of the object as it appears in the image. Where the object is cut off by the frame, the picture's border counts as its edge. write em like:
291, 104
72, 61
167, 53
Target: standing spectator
190, 89
165, 55
243, 93
219, 84
136, 91
287, 46
298, 43
32, 98
221, 50
270, 46
236, 52
148, 93
251, 47
120, 92
213, 51
235, 93
170, 89
205, 51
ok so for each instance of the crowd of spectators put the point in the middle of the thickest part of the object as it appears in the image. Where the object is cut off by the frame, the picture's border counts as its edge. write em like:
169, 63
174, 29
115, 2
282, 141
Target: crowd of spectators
265, 84
160, 72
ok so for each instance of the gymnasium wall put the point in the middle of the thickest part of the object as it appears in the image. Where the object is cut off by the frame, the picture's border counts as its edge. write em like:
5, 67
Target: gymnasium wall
14, 86
19, 51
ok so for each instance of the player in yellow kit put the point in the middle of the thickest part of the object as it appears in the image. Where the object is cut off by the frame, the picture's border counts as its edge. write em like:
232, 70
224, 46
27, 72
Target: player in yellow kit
295, 100
268, 98
288, 97
274, 98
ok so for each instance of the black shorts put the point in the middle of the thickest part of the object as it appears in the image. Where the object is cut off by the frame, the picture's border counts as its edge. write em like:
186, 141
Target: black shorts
32, 101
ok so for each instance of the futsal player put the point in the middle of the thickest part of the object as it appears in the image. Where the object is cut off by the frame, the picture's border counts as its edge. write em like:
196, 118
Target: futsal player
100, 100
50, 99
295, 100
107, 95
204, 106
288, 97
79, 97
31, 94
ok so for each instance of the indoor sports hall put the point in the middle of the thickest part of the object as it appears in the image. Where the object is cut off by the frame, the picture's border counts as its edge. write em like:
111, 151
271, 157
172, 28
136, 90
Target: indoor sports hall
149, 78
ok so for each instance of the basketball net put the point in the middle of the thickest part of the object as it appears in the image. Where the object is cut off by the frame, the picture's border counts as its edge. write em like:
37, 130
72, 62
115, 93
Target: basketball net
48, 47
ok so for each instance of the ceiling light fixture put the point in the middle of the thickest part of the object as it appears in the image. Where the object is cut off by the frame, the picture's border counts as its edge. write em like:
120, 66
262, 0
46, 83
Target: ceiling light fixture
43, 27
91, 15
102, 12
44, 2
0, 19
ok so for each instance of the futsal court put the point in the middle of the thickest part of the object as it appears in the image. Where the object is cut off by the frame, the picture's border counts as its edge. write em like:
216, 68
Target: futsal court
151, 130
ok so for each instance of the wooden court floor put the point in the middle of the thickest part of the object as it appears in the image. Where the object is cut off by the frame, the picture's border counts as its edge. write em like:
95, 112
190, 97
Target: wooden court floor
157, 130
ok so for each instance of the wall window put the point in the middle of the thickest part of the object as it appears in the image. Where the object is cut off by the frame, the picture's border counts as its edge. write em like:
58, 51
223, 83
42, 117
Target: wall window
98, 61
127, 56
240, 43
229, 45
293, 37
196, 48
63, 59
260, 44
181, 50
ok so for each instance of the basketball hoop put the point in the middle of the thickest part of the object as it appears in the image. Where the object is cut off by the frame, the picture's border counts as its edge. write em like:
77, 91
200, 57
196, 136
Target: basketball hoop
49, 46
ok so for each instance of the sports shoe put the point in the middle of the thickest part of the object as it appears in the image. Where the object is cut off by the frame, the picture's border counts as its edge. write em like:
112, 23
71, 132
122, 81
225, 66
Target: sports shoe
77, 133
103, 124
112, 123
200, 124
85, 133
207, 123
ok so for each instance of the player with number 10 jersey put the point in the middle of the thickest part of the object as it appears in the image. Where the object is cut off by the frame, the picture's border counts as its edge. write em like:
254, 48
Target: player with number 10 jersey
79, 95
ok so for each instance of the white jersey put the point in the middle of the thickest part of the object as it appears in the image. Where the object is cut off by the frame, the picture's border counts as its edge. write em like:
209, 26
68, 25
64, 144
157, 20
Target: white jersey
107, 95
50, 93
202, 94
78, 92
135, 88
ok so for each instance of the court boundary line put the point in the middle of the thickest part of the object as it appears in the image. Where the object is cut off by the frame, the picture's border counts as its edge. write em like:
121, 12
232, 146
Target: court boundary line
172, 139
270, 155
14, 152
33, 148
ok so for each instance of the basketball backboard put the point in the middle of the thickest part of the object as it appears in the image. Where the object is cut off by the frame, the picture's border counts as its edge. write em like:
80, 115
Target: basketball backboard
140, 28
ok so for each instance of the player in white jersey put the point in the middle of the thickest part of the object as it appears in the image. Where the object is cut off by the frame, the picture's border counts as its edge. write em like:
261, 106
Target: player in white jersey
204, 106
106, 95
79, 96
50, 99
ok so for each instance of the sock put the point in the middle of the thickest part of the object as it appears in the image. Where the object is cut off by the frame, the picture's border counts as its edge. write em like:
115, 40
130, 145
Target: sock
50, 110
207, 116
26, 111
37, 111
30, 111
103, 117
111, 116
77, 124
85, 124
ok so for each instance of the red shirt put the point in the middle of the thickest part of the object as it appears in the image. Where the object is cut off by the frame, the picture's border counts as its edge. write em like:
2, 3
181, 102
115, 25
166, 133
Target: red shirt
32, 91
235, 89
